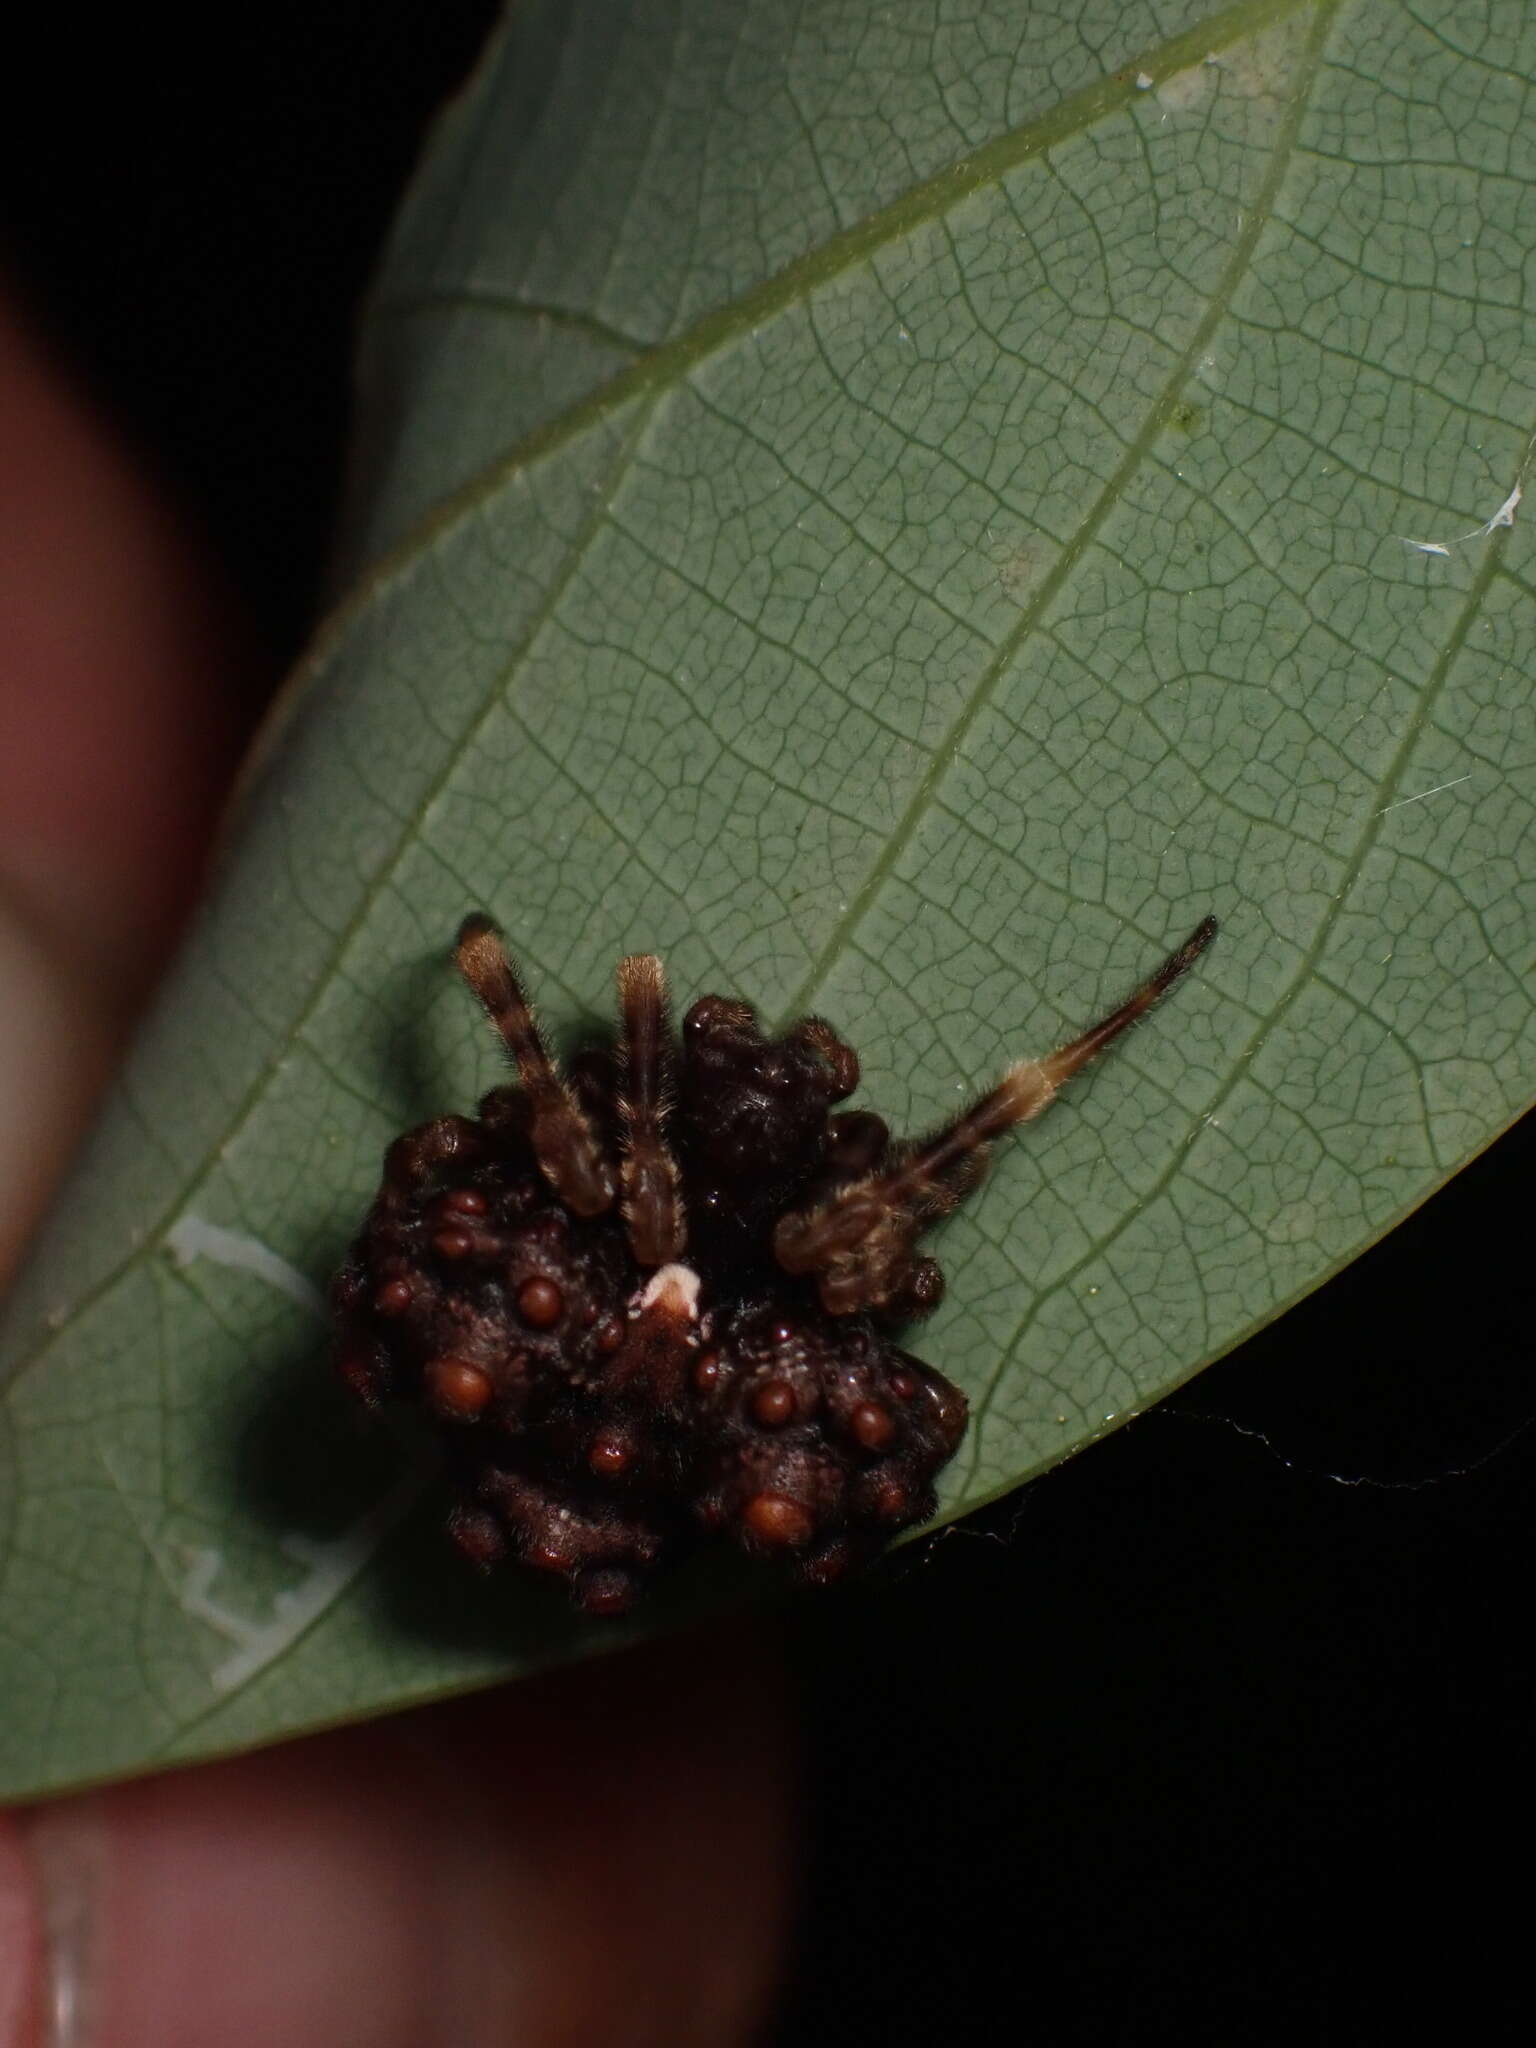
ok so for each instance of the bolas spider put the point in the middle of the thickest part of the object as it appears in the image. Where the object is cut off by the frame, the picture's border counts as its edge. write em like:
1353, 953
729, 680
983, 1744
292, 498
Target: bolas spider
653, 1299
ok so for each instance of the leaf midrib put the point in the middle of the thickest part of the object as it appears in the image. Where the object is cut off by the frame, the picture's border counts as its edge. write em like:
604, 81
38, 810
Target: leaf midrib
667, 364
648, 379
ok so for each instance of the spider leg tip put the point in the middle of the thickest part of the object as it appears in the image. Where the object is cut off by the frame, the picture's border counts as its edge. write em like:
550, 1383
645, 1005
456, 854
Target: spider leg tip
641, 972
477, 936
1180, 961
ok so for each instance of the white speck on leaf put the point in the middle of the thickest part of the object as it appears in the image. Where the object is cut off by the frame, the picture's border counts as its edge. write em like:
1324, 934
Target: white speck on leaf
192, 1238
1419, 798
330, 1567
1504, 516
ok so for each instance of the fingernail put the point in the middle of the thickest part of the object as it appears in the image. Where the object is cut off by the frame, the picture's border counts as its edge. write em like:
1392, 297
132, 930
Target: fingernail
68, 1846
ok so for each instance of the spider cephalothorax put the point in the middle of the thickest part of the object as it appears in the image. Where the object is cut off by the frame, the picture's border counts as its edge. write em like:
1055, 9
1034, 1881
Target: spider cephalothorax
653, 1299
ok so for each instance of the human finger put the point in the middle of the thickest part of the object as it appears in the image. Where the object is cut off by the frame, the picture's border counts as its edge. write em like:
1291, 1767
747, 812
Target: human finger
118, 655
597, 1857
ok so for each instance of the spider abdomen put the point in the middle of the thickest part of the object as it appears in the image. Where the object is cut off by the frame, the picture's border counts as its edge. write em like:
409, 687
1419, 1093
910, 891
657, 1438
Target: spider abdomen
654, 1304
586, 1433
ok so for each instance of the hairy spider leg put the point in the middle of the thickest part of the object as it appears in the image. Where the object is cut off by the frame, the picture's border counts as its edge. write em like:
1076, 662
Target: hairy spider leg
650, 1190
839, 1058
563, 1140
859, 1240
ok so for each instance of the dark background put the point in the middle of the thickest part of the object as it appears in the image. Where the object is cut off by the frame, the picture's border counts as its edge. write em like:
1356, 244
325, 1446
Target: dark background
1222, 1732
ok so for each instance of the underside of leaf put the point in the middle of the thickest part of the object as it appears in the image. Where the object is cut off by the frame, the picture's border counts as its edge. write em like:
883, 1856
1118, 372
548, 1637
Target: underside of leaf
903, 519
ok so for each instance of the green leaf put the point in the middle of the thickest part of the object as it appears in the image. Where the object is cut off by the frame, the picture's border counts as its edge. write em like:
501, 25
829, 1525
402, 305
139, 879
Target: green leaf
902, 515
